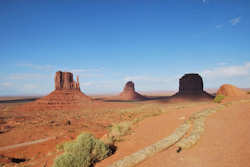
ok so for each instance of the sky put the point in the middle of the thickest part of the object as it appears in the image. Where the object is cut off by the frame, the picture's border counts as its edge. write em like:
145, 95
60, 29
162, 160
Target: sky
106, 43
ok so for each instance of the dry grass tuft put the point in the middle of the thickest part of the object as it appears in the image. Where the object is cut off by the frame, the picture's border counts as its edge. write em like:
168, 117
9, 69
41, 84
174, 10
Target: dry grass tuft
120, 129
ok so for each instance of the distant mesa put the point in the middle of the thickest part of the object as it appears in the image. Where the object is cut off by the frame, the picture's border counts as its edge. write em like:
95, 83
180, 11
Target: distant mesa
67, 95
129, 92
230, 90
191, 85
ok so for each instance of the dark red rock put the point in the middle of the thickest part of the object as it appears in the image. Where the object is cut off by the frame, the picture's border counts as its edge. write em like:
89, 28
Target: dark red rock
191, 84
129, 92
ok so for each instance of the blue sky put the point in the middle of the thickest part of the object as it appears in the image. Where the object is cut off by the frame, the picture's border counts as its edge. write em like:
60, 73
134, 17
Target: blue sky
106, 43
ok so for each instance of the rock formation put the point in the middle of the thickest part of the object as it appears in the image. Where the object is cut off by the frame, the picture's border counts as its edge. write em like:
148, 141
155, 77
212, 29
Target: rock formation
67, 95
191, 85
129, 92
64, 80
230, 90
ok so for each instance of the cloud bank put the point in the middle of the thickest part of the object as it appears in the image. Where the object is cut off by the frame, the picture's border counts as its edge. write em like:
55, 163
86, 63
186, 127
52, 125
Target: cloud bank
227, 71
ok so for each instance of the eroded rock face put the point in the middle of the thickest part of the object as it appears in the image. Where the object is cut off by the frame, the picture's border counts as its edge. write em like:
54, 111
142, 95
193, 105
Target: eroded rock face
191, 84
129, 92
129, 86
66, 96
65, 80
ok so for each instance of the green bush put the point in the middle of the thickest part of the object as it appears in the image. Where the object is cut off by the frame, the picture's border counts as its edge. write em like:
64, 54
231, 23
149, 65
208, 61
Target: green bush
219, 98
68, 159
83, 152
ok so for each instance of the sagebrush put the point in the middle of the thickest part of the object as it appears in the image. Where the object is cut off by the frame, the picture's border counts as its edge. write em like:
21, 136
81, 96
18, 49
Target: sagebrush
83, 152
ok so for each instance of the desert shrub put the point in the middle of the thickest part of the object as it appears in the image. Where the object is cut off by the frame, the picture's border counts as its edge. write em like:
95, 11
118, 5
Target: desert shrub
248, 92
59, 147
218, 98
120, 129
82, 152
68, 160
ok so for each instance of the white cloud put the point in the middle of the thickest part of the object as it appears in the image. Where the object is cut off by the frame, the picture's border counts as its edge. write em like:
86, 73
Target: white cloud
77, 71
145, 79
235, 21
6, 84
86, 72
38, 67
23, 88
227, 71
25, 76
29, 88
222, 63
238, 75
86, 84
152, 83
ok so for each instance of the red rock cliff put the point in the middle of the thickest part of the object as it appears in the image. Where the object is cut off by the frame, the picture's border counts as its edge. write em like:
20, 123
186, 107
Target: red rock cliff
65, 80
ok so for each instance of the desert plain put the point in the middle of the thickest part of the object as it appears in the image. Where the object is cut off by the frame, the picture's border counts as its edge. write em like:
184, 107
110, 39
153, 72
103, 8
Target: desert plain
188, 128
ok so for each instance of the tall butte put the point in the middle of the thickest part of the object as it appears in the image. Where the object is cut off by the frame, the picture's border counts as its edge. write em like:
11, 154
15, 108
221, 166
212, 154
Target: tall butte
129, 92
191, 85
67, 95
65, 81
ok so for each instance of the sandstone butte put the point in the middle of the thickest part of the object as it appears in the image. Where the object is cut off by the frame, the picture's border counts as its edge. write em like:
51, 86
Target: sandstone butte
129, 92
67, 95
191, 85
230, 90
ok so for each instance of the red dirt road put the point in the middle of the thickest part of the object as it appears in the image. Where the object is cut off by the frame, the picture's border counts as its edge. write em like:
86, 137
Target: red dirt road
152, 130
225, 141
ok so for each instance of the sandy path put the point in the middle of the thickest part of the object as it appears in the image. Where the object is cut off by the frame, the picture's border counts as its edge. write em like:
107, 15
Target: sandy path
226, 142
26, 143
150, 131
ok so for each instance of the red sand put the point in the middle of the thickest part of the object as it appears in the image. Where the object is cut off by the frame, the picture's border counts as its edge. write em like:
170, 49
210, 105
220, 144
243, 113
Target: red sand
225, 141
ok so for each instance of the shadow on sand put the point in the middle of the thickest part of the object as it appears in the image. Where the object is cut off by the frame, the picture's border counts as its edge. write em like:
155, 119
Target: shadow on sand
24, 100
189, 97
